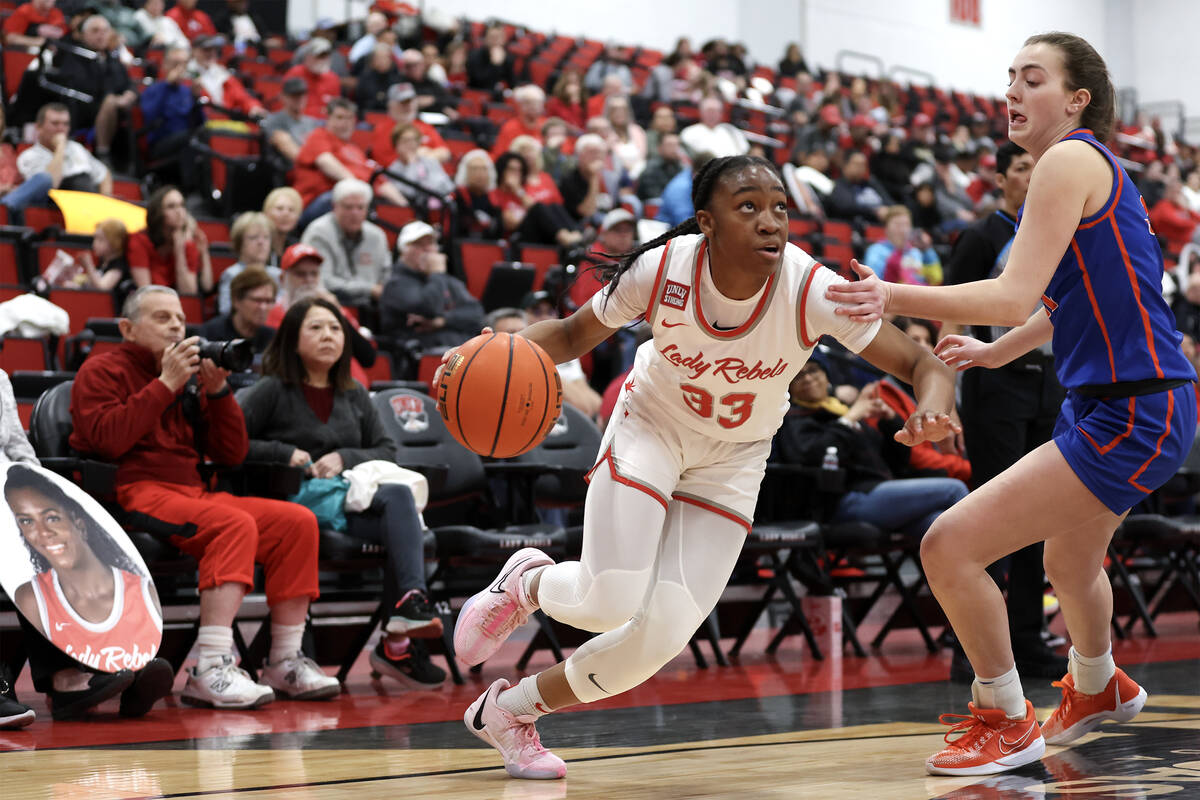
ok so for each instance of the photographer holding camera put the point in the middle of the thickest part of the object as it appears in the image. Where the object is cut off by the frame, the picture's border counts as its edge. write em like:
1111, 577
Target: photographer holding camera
134, 406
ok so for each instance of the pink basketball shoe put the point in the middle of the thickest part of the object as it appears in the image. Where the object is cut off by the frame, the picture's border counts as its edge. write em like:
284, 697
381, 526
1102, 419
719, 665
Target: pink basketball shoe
514, 737
490, 616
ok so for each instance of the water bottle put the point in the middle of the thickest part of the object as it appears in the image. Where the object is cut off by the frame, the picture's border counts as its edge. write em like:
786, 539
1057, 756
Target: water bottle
831, 458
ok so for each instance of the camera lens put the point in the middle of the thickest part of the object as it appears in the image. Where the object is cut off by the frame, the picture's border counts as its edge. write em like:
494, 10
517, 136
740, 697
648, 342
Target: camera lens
235, 355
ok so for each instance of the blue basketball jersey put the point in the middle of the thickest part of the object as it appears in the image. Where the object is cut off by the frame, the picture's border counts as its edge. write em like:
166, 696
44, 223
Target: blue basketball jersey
1111, 323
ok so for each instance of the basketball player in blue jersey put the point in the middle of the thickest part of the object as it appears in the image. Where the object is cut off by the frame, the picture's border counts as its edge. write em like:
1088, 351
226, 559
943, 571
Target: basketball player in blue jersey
1084, 248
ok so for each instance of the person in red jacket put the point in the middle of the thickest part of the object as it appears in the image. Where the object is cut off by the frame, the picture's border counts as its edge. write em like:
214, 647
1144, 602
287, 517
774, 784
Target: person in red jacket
137, 406
1172, 218
217, 83
32, 23
191, 20
531, 115
315, 69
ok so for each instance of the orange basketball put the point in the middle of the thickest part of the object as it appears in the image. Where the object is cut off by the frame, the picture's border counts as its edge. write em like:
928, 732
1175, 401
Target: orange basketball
499, 395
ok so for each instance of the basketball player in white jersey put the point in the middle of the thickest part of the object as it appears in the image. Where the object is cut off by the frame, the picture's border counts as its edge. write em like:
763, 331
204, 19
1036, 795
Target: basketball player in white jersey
735, 311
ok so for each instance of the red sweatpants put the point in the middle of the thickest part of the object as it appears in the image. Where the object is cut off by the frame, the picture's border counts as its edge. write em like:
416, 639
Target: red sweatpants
234, 532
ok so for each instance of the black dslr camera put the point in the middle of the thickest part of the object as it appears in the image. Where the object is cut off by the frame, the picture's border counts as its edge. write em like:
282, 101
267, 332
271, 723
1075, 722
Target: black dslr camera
235, 355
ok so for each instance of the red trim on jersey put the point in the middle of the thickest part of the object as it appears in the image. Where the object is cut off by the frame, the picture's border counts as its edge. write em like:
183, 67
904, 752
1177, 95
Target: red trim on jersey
1050, 305
1158, 445
1087, 284
1137, 295
1116, 439
745, 326
714, 509
804, 304
662, 265
616, 476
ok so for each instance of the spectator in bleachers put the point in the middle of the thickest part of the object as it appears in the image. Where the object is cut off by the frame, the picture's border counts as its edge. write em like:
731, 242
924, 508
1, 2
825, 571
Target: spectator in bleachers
922, 139
287, 129
629, 140
454, 62
1173, 219
306, 374
316, 70
376, 23
856, 195
220, 85
1152, 183
326, 28
538, 222
950, 188
102, 76
243, 26
825, 132
892, 165
662, 122
170, 110
506, 320
126, 408
252, 294
927, 216
802, 102
568, 99
663, 81
330, 155
172, 250
355, 251
434, 69
431, 95
32, 23
1191, 188
379, 74
282, 207
556, 138
250, 236
191, 20
792, 63
541, 187
55, 161
531, 115
490, 67
421, 301
723, 63
477, 217
410, 164
127, 33
676, 203
402, 108
809, 184
159, 30
106, 266
661, 168
609, 62
711, 134
612, 86
904, 256
597, 184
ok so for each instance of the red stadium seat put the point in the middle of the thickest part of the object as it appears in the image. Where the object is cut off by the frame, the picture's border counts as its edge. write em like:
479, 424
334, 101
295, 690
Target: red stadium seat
838, 231
478, 256
18, 353
541, 258
193, 308
82, 305
217, 230
798, 226
16, 61
381, 370
42, 217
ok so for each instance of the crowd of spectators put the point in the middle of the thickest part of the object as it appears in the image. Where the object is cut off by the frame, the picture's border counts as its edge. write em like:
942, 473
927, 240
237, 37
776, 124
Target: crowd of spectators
390, 140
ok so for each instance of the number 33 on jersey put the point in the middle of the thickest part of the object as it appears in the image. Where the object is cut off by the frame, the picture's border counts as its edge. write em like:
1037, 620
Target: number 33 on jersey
729, 384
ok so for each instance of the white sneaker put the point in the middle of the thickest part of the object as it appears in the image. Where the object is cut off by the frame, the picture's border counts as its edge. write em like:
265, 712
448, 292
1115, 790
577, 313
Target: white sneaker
298, 677
224, 685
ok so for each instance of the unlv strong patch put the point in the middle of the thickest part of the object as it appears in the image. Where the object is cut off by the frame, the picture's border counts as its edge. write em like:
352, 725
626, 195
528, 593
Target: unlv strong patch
675, 295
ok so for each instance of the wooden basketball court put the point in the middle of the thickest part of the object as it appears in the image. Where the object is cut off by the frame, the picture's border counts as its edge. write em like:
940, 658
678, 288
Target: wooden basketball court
766, 727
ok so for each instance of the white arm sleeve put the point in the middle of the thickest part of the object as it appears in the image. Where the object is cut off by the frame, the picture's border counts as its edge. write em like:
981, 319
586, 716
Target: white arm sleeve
819, 319
631, 299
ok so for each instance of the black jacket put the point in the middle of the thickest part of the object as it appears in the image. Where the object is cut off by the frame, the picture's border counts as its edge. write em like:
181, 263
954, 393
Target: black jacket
437, 295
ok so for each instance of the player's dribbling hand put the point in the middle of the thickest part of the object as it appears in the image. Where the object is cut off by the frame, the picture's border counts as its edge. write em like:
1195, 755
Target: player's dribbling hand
927, 426
964, 352
446, 356
863, 300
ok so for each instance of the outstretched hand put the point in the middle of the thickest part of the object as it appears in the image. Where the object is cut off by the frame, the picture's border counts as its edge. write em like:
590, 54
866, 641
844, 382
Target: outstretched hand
927, 426
964, 352
863, 300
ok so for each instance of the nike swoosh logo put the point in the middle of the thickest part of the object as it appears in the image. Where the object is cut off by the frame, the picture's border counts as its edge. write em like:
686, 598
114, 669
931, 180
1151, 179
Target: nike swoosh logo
58, 626
495, 588
478, 721
592, 678
1007, 747
672, 324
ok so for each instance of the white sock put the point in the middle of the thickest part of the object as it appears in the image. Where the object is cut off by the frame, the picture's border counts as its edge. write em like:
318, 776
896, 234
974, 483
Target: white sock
1091, 674
1003, 691
214, 642
526, 581
285, 641
524, 699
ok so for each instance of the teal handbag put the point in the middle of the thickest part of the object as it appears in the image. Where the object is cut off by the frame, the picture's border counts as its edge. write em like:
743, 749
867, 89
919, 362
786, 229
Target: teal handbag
325, 497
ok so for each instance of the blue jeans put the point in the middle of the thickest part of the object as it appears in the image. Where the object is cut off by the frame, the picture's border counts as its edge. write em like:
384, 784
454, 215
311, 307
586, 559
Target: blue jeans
35, 190
909, 505
393, 522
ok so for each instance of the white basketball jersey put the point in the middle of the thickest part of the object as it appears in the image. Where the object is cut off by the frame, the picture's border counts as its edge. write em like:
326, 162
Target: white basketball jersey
726, 384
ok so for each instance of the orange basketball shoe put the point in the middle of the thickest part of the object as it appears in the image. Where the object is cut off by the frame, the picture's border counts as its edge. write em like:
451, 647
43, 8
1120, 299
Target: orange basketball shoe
990, 742
1078, 713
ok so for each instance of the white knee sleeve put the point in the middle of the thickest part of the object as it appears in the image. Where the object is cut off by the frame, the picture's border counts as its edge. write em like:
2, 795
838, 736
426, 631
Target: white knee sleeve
570, 594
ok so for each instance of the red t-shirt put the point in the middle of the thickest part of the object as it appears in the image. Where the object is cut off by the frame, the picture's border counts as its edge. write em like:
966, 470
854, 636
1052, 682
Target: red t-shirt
543, 189
382, 150
321, 89
511, 130
24, 21
142, 253
310, 181
193, 23
575, 116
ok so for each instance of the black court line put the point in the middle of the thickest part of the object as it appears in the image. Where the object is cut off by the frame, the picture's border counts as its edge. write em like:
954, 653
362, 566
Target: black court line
469, 770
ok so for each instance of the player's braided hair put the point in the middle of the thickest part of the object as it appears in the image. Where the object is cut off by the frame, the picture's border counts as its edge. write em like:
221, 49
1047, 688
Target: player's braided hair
703, 181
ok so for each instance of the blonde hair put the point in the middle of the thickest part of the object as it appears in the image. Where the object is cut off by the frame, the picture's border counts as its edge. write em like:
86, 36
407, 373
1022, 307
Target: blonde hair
896, 211
115, 233
242, 226
283, 191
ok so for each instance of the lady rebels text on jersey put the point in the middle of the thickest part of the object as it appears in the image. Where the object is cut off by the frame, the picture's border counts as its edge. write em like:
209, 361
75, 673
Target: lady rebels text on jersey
727, 383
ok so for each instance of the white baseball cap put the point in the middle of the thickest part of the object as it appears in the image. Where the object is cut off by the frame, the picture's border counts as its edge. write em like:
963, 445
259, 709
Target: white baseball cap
616, 217
414, 231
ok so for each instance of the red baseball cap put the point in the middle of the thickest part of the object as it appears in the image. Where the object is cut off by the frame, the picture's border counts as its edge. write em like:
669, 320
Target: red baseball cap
297, 253
830, 115
861, 121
